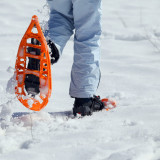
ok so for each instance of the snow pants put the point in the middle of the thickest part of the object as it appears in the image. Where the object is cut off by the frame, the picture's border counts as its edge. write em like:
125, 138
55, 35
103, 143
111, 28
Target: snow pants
84, 17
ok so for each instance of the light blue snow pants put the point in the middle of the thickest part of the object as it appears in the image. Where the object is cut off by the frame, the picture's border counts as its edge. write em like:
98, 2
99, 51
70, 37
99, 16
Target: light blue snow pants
84, 17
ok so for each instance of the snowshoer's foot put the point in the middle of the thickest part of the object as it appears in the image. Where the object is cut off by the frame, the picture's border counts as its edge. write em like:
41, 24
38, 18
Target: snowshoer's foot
85, 106
54, 53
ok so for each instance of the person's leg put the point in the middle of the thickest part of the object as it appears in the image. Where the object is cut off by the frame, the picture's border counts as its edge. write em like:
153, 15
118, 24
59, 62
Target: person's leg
85, 73
60, 24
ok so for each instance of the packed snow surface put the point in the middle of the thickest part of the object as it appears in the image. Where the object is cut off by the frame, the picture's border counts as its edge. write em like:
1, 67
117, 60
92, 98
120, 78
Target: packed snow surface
130, 67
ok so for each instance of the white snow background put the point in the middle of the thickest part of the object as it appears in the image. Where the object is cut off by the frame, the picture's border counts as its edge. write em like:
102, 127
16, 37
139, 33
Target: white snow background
130, 66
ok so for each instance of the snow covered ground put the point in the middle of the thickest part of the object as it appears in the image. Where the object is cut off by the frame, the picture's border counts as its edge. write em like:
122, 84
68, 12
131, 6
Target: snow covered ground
130, 66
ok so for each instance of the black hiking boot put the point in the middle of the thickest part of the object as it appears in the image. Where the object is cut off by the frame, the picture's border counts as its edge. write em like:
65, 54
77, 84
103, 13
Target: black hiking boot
85, 106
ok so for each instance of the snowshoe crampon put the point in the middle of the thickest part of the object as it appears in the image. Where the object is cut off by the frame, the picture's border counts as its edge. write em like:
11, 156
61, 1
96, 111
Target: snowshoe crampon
33, 68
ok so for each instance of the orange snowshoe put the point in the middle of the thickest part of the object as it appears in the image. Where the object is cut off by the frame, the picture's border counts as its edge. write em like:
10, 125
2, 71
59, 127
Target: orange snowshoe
33, 68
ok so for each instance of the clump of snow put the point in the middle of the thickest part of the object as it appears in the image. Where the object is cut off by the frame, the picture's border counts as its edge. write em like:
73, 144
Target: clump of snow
6, 114
30, 99
38, 98
43, 95
1, 88
6, 111
42, 115
25, 97
10, 69
30, 102
20, 89
11, 85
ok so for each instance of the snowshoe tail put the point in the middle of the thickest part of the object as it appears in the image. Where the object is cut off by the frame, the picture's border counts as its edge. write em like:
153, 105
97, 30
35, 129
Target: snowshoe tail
109, 104
33, 68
